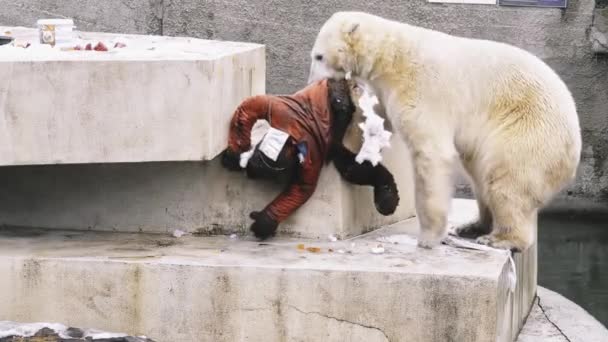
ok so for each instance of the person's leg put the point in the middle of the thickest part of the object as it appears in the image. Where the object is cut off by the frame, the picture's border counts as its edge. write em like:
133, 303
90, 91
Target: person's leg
386, 194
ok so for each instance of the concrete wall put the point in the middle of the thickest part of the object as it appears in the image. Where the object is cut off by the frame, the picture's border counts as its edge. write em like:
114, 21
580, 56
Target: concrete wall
197, 197
288, 29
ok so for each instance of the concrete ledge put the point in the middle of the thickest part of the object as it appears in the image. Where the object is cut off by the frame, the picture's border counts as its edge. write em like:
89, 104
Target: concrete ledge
222, 289
554, 318
172, 103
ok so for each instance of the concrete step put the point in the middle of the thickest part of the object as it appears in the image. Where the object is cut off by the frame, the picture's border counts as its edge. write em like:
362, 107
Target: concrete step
235, 289
157, 99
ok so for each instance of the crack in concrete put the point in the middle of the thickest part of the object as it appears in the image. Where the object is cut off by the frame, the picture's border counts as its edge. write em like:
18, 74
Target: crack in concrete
341, 320
550, 321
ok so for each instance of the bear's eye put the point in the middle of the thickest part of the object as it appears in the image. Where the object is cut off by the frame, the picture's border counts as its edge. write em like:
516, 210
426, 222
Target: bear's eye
319, 57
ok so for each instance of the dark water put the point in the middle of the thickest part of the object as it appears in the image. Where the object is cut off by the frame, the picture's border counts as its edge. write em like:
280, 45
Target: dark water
573, 259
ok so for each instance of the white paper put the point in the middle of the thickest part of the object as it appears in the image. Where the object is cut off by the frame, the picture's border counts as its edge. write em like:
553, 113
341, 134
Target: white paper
273, 143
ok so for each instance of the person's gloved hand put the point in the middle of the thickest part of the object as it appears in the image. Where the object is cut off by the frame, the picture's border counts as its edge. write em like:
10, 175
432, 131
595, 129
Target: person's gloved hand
231, 159
263, 226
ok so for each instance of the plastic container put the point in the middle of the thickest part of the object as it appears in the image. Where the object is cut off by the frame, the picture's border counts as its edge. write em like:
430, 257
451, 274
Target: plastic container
5, 40
55, 31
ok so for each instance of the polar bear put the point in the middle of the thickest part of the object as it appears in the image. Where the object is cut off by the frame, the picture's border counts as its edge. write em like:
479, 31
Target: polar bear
501, 111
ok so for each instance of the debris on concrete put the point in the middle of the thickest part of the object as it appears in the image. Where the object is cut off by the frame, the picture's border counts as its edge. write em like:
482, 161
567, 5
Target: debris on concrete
120, 42
397, 239
233, 236
311, 249
55, 332
177, 233
332, 238
378, 249
27, 45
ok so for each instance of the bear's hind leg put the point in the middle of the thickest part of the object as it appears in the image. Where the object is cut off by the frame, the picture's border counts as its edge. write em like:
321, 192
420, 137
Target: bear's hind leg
514, 214
483, 224
386, 194
479, 227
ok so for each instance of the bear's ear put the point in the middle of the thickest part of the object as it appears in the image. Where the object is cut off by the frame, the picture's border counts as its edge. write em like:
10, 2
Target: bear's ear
353, 28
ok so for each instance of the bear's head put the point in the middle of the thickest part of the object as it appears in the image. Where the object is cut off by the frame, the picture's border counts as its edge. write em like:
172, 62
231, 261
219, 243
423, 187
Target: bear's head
335, 51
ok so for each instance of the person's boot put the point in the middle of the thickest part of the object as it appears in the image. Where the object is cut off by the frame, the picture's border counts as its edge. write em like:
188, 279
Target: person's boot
386, 194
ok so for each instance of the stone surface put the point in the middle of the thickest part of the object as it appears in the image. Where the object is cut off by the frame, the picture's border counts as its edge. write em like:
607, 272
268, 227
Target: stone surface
198, 197
599, 31
554, 318
226, 289
173, 103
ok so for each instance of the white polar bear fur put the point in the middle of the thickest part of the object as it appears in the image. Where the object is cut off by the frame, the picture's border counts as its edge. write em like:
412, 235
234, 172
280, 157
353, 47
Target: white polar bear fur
503, 112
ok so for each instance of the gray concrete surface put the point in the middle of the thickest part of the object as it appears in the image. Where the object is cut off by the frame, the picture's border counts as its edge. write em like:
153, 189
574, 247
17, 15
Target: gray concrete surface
287, 29
125, 105
554, 318
599, 31
223, 289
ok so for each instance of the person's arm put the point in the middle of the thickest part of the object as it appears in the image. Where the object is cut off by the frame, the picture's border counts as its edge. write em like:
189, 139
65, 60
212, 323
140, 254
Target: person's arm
294, 196
239, 138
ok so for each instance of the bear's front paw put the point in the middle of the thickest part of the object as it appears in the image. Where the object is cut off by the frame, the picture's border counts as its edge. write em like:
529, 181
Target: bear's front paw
263, 226
231, 160
430, 239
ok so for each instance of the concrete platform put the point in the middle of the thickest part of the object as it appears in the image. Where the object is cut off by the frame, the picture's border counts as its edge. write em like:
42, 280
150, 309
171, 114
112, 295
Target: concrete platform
157, 99
554, 318
234, 289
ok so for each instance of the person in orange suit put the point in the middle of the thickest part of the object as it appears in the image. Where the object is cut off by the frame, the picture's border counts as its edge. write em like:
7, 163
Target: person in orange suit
308, 130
